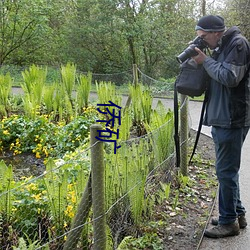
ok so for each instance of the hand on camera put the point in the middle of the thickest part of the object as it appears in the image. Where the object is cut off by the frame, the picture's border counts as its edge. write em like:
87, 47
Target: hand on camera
200, 58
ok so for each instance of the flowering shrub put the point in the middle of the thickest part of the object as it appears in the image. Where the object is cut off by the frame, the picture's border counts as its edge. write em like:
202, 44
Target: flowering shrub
43, 137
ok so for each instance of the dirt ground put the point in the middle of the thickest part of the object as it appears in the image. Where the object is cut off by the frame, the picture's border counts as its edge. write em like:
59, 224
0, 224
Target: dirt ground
187, 223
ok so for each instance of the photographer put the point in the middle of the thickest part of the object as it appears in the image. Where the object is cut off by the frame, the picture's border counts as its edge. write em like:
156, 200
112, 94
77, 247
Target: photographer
228, 112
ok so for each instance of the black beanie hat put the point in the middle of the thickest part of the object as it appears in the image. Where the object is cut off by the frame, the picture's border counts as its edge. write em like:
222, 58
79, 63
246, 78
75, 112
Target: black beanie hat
211, 23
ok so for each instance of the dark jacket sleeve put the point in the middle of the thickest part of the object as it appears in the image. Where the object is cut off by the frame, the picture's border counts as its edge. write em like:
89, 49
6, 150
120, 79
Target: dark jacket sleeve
234, 66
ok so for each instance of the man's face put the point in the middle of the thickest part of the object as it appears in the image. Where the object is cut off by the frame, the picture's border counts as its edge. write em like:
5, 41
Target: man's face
211, 38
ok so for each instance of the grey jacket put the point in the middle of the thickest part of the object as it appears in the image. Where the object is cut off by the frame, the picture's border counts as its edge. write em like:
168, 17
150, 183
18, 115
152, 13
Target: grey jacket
228, 103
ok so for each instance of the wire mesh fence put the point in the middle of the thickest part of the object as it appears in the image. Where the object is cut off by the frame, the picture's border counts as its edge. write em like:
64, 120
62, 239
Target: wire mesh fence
56, 209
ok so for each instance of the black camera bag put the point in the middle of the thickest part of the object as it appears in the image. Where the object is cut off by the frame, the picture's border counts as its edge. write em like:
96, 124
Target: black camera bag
192, 79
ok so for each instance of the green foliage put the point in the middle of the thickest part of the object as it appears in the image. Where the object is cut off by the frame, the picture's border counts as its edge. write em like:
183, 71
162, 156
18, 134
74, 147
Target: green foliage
43, 137
147, 241
161, 126
103, 36
6, 184
30, 206
126, 124
126, 173
164, 191
49, 200
68, 74
141, 103
106, 92
33, 85
56, 183
23, 25
23, 245
5, 91
48, 98
83, 91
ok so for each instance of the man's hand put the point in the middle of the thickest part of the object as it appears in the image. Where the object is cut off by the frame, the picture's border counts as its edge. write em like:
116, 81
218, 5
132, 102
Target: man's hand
200, 58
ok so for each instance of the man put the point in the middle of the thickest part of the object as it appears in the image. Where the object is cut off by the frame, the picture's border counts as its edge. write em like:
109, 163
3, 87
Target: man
228, 112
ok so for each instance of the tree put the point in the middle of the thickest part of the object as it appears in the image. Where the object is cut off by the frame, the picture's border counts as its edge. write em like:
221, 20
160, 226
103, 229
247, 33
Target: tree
237, 12
20, 22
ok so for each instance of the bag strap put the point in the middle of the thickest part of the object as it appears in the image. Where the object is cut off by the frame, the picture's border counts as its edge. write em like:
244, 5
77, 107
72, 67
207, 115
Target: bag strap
176, 126
199, 127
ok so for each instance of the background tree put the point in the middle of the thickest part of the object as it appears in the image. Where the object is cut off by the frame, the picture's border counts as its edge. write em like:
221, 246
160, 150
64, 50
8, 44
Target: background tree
103, 36
237, 12
21, 26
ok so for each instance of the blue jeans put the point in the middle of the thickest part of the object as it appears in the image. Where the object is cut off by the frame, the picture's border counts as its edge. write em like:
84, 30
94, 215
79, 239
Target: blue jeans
228, 145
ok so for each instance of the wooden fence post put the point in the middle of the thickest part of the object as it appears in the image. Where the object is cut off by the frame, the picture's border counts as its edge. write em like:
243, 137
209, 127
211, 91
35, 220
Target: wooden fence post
135, 82
184, 135
98, 194
135, 74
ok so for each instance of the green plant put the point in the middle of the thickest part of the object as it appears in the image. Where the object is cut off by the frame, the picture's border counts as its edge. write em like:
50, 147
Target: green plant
34, 81
68, 74
30, 208
176, 199
48, 98
56, 187
161, 128
164, 191
106, 92
5, 90
28, 244
126, 174
141, 103
83, 91
147, 241
184, 181
6, 196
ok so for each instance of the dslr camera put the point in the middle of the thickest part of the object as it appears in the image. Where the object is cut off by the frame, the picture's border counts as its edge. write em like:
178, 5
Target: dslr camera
190, 51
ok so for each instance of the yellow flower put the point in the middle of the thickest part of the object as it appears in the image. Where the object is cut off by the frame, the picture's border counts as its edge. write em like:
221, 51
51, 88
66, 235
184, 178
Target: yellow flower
38, 156
14, 209
69, 211
73, 199
31, 187
37, 196
6, 132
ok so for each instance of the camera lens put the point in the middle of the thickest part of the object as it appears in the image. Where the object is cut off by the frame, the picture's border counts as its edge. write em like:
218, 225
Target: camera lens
187, 53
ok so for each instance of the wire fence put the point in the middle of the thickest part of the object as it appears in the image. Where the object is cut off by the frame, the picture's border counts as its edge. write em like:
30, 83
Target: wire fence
159, 87
57, 209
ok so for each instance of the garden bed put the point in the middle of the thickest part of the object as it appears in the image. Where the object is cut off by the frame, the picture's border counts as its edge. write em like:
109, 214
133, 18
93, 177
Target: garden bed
179, 221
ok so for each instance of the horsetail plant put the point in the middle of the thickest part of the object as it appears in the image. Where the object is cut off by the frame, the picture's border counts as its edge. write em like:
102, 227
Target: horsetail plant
56, 184
33, 85
48, 98
141, 104
5, 89
126, 174
161, 127
106, 92
62, 105
68, 74
6, 184
83, 91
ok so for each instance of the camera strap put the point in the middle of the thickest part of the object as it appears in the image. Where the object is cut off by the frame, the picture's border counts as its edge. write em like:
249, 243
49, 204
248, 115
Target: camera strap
199, 127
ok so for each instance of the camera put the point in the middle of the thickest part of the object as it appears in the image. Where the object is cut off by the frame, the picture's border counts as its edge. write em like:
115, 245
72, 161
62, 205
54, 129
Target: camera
190, 51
